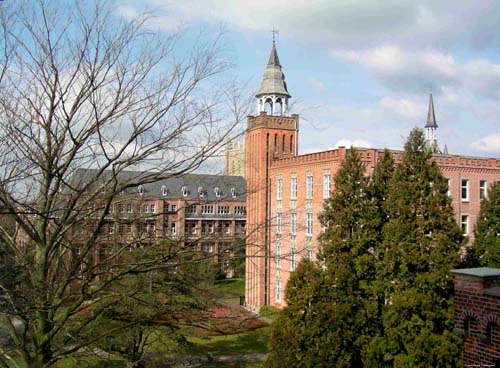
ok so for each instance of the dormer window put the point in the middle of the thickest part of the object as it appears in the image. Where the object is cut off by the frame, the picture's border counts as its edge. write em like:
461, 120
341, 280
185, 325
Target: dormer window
184, 191
200, 192
217, 192
164, 190
233, 192
140, 189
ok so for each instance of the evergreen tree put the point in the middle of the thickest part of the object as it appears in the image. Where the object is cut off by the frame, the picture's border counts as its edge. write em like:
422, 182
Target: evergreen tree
486, 249
420, 247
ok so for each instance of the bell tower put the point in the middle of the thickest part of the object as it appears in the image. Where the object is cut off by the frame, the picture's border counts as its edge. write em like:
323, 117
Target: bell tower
271, 135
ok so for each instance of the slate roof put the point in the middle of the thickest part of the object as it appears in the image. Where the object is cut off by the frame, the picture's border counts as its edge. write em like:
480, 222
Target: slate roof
231, 188
273, 81
478, 272
431, 116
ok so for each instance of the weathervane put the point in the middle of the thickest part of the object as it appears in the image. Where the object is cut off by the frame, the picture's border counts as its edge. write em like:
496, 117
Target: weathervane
275, 32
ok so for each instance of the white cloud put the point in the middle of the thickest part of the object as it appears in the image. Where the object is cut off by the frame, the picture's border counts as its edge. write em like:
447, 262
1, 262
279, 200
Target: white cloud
489, 143
345, 142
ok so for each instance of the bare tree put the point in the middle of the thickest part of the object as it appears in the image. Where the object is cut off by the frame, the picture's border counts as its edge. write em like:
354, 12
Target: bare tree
82, 88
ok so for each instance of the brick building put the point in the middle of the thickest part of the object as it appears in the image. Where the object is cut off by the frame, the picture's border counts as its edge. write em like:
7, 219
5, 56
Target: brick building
285, 190
205, 212
477, 315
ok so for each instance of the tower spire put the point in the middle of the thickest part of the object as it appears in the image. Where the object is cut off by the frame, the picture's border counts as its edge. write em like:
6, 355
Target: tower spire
273, 92
431, 128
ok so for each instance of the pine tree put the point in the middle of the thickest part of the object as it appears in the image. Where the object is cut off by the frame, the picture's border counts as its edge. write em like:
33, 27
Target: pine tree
486, 249
420, 247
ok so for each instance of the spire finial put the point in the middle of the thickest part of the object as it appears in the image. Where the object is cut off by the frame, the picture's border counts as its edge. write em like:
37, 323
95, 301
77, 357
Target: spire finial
275, 32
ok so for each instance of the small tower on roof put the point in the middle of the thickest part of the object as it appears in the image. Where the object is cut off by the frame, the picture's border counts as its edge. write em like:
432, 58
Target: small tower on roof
431, 128
273, 94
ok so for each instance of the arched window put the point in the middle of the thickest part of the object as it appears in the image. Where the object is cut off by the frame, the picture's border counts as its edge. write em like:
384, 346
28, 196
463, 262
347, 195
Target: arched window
268, 106
276, 143
278, 107
283, 144
469, 326
291, 144
491, 328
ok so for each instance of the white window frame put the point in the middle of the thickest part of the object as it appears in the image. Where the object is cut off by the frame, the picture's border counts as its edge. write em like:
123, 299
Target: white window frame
173, 228
278, 256
293, 187
309, 223
483, 189
278, 290
448, 181
293, 260
279, 223
223, 209
464, 224
207, 209
152, 208
279, 189
464, 185
327, 184
309, 186
293, 223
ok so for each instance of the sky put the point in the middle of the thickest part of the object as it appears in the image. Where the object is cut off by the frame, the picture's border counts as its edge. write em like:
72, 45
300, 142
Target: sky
360, 71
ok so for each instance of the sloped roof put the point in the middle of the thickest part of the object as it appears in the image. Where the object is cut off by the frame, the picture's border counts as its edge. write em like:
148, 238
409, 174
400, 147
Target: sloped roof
273, 81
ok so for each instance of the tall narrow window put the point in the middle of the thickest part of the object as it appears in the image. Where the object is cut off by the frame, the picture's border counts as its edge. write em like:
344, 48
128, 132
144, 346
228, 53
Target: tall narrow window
293, 260
283, 144
291, 144
327, 182
278, 255
464, 195
293, 223
483, 189
449, 187
309, 224
279, 223
309, 186
279, 189
293, 188
278, 290
464, 221
276, 143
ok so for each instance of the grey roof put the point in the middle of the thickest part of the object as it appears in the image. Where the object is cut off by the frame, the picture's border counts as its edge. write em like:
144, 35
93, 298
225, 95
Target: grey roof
431, 116
493, 291
232, 188
478, 272
273, 81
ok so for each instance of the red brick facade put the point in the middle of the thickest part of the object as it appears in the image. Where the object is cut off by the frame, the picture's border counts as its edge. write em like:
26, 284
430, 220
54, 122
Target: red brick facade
286, 193
477, 315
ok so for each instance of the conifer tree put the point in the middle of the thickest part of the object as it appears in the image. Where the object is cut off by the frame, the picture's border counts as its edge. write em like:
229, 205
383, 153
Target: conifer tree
421, 245
486, 249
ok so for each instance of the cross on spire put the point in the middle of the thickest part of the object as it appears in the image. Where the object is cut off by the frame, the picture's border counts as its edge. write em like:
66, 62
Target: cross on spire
275, 32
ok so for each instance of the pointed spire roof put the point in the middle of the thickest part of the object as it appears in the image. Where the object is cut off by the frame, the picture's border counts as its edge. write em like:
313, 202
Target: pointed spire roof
431, 116
273, 81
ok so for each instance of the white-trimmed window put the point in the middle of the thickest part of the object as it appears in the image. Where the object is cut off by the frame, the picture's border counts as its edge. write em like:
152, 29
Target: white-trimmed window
293, 223
464, 222
222, 210
207, 209
191, 209
129, 208
449, 187
129, 228
173, 208
278, 256
240, 210
293, 256
309, 223
278, 290
279, 189
279, 223
327, 183
152, 208
111, 229
464, 190
145, 208
293, 187
309, 253
309, 186
483, 189
164, 190
173, 228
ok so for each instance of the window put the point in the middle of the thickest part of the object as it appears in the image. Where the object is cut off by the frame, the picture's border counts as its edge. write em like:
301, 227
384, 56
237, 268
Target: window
121, 209
164, 190
201, 192
217, 192
309, 253
291, 144
129, 228
309, 186
483, 189
111, 229
278, 290
121, 229
276, 143
145, 208
283, 144
240, 210
279, 189
464, 195
129, 208
327, 182
449, 187
173, 228
152, 208
191, 209
207, 209
293, 223
464, 221
309, 223
184, 191
233, 192
490, 332
207, 248
140, 189
278, 255
292, 258
222, 210
279, 223
173, 208
293, 188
